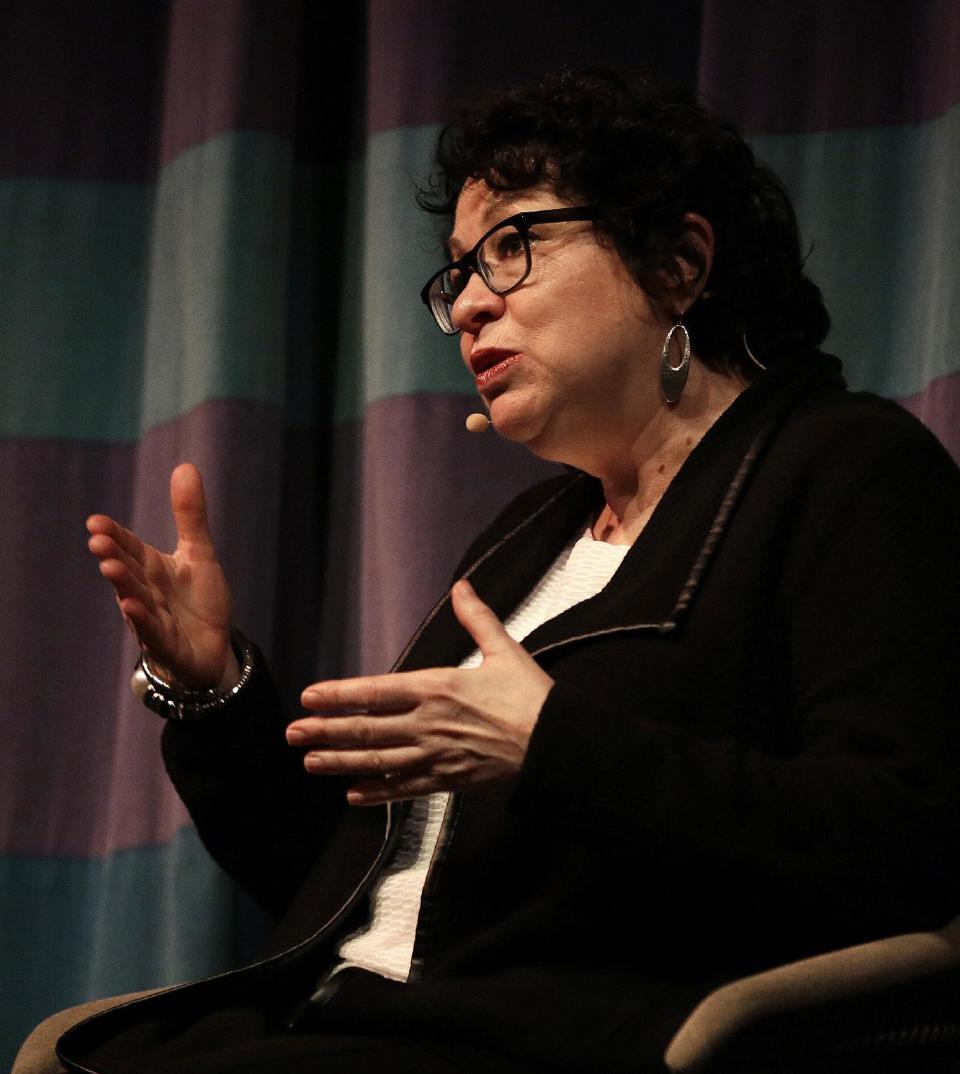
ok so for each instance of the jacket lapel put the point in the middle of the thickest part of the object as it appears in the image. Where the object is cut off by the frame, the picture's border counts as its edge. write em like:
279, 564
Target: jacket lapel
507, 569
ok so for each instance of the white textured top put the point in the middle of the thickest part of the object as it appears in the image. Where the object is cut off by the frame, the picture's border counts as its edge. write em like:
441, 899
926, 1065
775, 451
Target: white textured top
385, 944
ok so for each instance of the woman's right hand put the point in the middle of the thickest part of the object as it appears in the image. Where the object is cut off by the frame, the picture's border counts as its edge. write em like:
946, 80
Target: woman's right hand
178, 604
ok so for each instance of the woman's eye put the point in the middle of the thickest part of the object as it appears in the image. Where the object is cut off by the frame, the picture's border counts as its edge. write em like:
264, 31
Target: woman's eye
509, 245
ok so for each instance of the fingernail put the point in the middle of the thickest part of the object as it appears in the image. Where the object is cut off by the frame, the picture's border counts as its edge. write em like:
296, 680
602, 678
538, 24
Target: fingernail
295, 735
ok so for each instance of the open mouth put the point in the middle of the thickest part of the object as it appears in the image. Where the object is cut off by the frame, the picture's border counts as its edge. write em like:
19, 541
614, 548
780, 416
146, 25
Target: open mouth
489, 367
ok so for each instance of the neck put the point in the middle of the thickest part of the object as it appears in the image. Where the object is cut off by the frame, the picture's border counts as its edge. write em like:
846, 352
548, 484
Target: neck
635, 477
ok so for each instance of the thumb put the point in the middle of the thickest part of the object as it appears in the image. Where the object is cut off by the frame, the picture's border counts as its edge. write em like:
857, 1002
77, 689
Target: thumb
478, 620
189, 505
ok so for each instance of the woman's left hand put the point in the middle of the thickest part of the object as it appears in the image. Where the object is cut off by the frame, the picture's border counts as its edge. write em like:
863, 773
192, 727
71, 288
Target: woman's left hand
411, 733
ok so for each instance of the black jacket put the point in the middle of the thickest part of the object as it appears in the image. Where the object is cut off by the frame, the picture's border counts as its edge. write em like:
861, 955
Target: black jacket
750, 754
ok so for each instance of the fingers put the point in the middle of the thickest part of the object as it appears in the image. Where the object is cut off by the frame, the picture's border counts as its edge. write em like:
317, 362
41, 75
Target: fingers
106, 549
189, 505
122, 563
122, 570
127, 583
421, 731
145, 625
136, 603
378, 693
478, 620
363, 762
340, 732
381, 747
103, 528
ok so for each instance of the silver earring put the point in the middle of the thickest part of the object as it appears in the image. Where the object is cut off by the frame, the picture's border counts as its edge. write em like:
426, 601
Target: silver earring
753, 358
673, 378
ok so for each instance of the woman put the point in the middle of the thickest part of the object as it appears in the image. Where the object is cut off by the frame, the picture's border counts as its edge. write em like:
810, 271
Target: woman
727, 738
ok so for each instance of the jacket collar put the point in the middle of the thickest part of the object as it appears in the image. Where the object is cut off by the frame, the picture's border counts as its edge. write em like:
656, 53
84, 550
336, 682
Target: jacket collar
655, 586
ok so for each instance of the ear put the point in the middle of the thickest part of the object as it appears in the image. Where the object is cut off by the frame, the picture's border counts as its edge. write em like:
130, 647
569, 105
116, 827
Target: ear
693, 257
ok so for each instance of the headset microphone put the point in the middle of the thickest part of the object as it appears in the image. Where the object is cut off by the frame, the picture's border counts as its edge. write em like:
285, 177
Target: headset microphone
478, 423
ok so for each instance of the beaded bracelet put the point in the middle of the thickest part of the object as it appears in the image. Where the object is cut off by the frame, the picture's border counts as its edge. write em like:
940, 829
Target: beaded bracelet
177, 703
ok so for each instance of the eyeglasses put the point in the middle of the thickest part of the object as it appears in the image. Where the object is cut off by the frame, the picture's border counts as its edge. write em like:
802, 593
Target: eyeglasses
501, 259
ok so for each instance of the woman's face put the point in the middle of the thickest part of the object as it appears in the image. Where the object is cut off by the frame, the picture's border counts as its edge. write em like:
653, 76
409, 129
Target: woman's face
566, 363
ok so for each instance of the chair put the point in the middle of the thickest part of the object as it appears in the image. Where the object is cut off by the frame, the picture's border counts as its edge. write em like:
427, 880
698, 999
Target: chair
887, 1007
37, 1056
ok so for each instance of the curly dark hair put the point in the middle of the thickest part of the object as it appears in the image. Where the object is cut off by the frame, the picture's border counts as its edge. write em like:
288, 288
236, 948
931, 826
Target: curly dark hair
645, 154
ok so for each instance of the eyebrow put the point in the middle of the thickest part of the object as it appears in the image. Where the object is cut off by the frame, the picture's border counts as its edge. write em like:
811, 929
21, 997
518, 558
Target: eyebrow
499, 200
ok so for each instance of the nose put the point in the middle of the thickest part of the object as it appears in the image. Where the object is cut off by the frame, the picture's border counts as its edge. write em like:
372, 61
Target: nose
476, 305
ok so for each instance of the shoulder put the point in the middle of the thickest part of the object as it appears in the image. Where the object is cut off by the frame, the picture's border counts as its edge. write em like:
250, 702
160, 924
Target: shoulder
836, 415
837, 469
852, 476
834, 438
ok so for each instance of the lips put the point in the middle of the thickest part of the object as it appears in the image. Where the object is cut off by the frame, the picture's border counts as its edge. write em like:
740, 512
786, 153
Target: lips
488, 363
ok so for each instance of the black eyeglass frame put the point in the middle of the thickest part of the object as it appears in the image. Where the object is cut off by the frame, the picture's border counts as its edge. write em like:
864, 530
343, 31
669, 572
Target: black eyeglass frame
522, 222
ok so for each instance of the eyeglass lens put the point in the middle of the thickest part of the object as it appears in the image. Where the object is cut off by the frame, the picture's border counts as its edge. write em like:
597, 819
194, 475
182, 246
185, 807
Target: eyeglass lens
503, 260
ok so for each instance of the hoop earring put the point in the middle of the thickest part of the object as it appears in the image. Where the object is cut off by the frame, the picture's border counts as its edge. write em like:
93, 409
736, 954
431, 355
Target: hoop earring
753, 358
673, 378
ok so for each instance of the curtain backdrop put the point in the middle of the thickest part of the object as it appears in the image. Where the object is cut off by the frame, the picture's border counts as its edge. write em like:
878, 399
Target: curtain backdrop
209, 251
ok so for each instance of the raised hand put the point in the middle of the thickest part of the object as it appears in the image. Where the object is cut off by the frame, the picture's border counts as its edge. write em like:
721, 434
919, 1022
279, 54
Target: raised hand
412, 733
178, 604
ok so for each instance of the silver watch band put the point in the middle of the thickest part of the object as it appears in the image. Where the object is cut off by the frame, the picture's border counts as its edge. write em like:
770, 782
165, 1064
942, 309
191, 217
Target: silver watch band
175, 703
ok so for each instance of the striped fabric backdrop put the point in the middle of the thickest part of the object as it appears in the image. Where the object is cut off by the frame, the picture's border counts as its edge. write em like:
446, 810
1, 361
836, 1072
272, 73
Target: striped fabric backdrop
209, 251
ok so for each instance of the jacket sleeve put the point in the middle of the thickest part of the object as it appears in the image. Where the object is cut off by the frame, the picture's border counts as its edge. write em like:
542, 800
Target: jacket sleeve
260, 815
860, 821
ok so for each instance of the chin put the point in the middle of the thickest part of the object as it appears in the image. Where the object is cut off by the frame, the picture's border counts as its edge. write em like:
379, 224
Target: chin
535, 434
515, 422
550, 440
